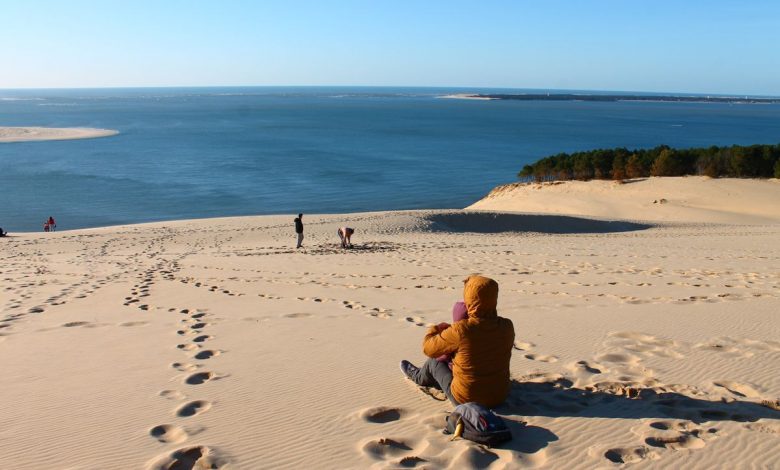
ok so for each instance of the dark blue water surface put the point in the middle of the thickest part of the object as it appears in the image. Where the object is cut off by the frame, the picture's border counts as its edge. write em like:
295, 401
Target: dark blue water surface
188, 153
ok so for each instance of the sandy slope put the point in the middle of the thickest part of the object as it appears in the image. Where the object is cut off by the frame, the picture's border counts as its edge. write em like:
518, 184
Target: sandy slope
152, 346
682, 199
28, 134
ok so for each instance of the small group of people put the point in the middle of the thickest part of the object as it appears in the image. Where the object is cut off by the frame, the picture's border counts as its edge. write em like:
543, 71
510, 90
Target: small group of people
50, 225
345, 233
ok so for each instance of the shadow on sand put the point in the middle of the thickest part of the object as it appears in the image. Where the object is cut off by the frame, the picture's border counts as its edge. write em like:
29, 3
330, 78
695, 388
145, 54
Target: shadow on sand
496, 222
616, 400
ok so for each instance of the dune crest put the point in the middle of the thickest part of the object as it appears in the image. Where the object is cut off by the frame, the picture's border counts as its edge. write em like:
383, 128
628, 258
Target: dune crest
696, 199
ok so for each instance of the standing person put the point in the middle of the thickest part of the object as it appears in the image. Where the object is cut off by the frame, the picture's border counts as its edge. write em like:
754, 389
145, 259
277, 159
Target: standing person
46, 226
52, 224
482, 344
345, 234
299, 230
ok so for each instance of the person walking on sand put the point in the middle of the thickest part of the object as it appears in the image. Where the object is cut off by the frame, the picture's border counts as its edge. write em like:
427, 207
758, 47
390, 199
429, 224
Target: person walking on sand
299, 230
345, 234
52, 224
482, 344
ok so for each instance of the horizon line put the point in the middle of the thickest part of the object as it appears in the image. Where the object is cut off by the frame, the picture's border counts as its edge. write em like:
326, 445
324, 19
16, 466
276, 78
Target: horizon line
142, 87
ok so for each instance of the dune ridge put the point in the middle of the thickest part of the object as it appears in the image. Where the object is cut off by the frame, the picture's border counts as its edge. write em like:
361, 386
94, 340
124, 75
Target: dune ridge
660, 199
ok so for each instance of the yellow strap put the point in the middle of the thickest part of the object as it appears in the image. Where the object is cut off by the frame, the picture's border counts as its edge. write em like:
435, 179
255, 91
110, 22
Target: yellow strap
458, 429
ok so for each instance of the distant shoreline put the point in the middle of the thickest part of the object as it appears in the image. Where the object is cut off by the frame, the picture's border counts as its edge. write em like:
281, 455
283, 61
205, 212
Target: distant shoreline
33, 134
614, 98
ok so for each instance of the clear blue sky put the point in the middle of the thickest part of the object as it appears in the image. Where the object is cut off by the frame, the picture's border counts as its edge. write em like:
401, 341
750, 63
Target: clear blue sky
670, 46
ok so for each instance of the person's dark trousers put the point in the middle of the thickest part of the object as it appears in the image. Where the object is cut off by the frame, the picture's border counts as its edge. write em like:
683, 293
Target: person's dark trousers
435, 374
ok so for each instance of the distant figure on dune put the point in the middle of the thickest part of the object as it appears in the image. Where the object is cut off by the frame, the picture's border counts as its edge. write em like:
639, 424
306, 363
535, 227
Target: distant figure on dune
299, 230
482, 344
52, 224
345, 234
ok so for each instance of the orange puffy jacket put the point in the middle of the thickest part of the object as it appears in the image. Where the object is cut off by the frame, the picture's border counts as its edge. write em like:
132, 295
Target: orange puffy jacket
482, 343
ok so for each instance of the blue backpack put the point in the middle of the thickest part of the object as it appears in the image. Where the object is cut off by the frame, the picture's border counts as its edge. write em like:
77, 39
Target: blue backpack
477, 423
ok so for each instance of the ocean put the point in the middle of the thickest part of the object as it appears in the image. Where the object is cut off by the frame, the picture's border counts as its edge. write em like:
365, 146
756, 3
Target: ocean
206, 152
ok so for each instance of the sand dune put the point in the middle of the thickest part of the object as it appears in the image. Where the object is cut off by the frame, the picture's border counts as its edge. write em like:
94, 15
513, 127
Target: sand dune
215, 344
679, 199
29, 134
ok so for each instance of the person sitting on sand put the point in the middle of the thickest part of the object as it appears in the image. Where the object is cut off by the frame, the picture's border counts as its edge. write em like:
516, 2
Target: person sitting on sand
483, 343
345, 234
46, 226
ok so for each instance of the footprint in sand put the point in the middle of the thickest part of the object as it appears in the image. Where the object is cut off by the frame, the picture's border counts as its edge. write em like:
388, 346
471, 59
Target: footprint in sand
202, 338
630, 454
172, 395
523, 346
190, 458
193, 408
134, 323
187, 346
416, 320
541, 358
686, 440
168, 433
75, 324
585, 366
385, 448
184, 367
474, 457
200, 378
382, 414
207, 354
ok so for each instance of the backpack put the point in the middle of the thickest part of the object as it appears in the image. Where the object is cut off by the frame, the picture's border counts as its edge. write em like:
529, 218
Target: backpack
479, 424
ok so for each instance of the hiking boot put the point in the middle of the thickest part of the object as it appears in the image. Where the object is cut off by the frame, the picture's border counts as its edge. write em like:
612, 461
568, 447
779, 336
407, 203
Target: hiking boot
409, 369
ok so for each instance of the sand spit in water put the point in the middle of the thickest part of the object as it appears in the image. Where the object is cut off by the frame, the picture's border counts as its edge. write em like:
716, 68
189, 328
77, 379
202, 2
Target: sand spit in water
31, 134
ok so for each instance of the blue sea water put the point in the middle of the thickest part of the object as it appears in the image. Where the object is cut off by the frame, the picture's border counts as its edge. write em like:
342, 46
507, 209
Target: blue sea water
206, 152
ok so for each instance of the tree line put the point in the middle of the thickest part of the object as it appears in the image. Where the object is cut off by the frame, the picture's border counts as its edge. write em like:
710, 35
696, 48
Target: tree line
736, 161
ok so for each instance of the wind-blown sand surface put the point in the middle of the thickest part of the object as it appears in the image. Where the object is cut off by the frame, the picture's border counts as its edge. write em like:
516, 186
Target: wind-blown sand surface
679, 199
155, 345
29, 134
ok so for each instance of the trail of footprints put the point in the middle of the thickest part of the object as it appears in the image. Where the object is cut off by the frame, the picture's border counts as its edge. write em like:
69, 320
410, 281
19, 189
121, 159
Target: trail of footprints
198, 456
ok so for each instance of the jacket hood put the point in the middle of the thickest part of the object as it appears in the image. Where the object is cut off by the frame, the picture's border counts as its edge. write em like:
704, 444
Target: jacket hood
481, 297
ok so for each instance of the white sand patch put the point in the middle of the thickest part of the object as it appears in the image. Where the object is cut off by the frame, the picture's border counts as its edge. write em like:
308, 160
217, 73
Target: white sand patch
30, 134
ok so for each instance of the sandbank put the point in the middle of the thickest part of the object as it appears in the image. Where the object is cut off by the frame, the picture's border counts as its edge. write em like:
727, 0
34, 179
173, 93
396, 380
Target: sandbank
215, 341
31, 134
467, 96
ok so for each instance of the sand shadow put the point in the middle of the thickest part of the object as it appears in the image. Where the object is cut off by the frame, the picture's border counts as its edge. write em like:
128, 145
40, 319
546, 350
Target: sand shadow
559, 398
497, 222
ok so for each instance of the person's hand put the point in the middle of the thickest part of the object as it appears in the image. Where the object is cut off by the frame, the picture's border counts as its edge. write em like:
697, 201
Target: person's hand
442, 326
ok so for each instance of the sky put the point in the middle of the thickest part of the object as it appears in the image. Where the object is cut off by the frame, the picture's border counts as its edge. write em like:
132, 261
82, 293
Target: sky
696, 46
